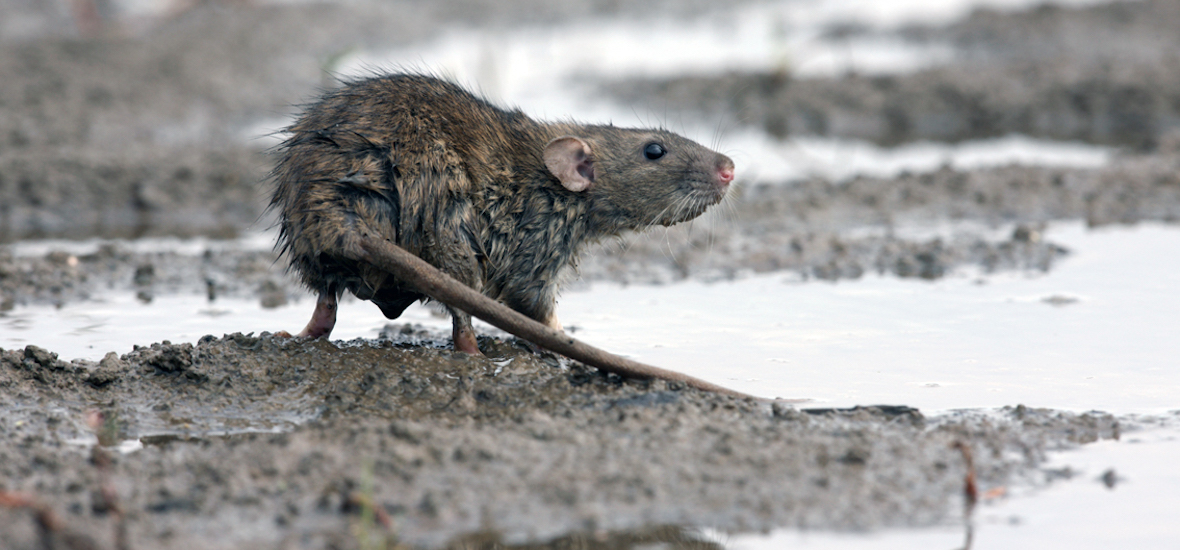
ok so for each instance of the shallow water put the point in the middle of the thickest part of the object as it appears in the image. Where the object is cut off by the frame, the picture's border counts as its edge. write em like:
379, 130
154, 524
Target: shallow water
1097, 332
841, 159
789, 35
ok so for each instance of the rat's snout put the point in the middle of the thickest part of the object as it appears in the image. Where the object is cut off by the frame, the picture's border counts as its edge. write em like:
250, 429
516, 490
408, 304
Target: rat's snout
724, 171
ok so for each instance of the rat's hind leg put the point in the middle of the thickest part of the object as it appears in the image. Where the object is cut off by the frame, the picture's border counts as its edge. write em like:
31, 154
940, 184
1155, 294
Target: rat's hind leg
394, 301
455, 259
323, 319
462, 332
452, 254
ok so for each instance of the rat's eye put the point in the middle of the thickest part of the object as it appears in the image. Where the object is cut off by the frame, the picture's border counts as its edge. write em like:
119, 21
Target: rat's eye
654, 151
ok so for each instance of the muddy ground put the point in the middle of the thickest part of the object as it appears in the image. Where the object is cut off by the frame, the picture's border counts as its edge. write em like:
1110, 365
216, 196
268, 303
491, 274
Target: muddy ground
129, 131
513, 446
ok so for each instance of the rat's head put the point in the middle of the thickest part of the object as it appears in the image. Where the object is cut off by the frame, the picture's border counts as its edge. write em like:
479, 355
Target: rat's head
646, 177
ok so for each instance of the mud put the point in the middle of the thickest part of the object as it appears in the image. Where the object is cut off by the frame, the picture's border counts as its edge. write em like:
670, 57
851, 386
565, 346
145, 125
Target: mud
125, 131
515, 446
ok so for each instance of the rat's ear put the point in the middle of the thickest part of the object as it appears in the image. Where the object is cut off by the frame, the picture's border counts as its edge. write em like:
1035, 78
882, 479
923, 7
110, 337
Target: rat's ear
569, 159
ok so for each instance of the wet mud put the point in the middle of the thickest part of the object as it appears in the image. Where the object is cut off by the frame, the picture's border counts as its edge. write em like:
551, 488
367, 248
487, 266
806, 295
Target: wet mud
515, 446
253, 441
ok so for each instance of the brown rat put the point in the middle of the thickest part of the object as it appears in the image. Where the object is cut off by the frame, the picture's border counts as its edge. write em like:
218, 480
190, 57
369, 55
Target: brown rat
491, 197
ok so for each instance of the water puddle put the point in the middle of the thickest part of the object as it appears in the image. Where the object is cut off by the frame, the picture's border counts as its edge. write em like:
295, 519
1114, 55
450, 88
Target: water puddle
1094, 333
789, 35
118, 321
256, 240
766, 160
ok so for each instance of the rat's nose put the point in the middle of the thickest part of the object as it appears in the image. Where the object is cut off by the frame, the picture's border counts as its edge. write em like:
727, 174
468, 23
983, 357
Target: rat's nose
724, 171
725, 174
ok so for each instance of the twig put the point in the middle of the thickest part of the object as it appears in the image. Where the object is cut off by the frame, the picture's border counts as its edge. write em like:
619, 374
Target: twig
970, 492
428, 280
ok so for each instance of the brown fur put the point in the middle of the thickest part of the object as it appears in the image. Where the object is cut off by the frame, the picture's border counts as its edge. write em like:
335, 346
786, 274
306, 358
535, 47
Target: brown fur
464, 185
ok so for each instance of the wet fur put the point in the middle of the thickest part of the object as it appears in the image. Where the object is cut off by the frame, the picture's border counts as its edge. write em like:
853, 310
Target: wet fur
462, 184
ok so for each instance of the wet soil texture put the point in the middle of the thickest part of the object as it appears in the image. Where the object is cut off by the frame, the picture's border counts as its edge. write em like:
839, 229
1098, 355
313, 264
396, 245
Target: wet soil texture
514, 446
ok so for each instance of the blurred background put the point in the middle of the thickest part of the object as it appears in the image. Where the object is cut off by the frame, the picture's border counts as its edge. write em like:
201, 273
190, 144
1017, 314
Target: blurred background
126, 118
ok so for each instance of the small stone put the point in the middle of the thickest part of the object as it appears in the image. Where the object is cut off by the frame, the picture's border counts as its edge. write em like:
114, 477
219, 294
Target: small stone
274, 298
1060, 300
1026, 234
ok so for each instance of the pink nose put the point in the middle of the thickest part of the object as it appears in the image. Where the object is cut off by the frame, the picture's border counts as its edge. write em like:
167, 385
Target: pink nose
724, 170
725, 175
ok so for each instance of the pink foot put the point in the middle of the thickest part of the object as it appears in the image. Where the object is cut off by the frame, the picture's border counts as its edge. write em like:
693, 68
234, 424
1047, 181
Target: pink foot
323, 319
465, 341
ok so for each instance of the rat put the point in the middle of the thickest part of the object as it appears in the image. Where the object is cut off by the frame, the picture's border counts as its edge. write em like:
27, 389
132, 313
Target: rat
499, 201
